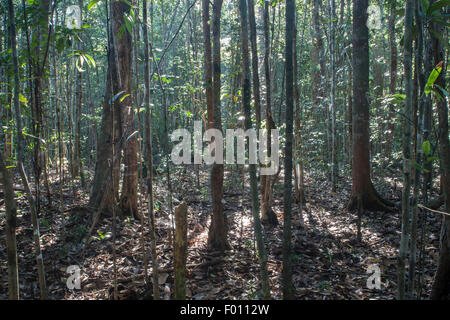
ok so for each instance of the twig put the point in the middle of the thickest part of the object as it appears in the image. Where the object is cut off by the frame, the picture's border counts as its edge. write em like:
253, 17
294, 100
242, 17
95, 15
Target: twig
435, 211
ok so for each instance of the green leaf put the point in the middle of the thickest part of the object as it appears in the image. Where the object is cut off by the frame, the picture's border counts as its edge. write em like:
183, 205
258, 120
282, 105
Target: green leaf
23, 99
123, 98
430, 159
92, 4
419, 167
426, 148
432, 78
437, 6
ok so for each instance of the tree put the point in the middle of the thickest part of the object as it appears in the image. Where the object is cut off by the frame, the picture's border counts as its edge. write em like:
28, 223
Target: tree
287, 269
361, 182
334, 162
217, 236
117, 131
441, 283
120, 14
252, 167
407, 62
148, 146
267, 214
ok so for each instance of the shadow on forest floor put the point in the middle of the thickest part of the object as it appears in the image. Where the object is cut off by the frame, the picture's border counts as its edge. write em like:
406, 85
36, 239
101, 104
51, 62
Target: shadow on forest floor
328, 261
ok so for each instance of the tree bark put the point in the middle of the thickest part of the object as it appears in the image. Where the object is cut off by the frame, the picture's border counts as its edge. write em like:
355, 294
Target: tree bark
361, 182
148, 146
287, 268
217, 236
407, 62
441, 283
267, 214
180, 251
252, 167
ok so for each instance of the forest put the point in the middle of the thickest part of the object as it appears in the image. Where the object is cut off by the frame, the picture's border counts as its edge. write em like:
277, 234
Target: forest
224, 150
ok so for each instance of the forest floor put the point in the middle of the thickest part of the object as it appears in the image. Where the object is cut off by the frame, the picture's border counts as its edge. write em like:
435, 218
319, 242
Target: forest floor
328, 261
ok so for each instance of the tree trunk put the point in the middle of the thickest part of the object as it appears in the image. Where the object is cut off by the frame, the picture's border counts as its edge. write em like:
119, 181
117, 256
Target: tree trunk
267, 214
332, 99
361, 182
104, 195
128, 201
180, 251
287, 272
441, 283
248, 125
217, 236
148, 145
393, 77
407, 62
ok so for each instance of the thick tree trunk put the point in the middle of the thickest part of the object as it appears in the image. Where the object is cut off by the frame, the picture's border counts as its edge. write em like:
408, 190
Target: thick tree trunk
123, 45
361, 182
104, 194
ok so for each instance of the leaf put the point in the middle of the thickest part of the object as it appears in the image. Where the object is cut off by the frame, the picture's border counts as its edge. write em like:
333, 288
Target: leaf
419, 167
437, 6
23, 99
123, 98
432, 78
92, 4
426, 148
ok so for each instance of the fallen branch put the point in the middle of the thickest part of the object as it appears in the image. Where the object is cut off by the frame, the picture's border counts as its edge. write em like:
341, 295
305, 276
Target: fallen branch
435, 211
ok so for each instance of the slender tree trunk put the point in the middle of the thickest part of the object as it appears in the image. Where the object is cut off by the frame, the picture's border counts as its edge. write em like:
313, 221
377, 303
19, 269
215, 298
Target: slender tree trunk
255, 69
20, 160
252, 167
217, 237
208, 63
332, 98
287, 268
78, 110
267, 214
407, 62
393, 76
11, 245
148, 143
